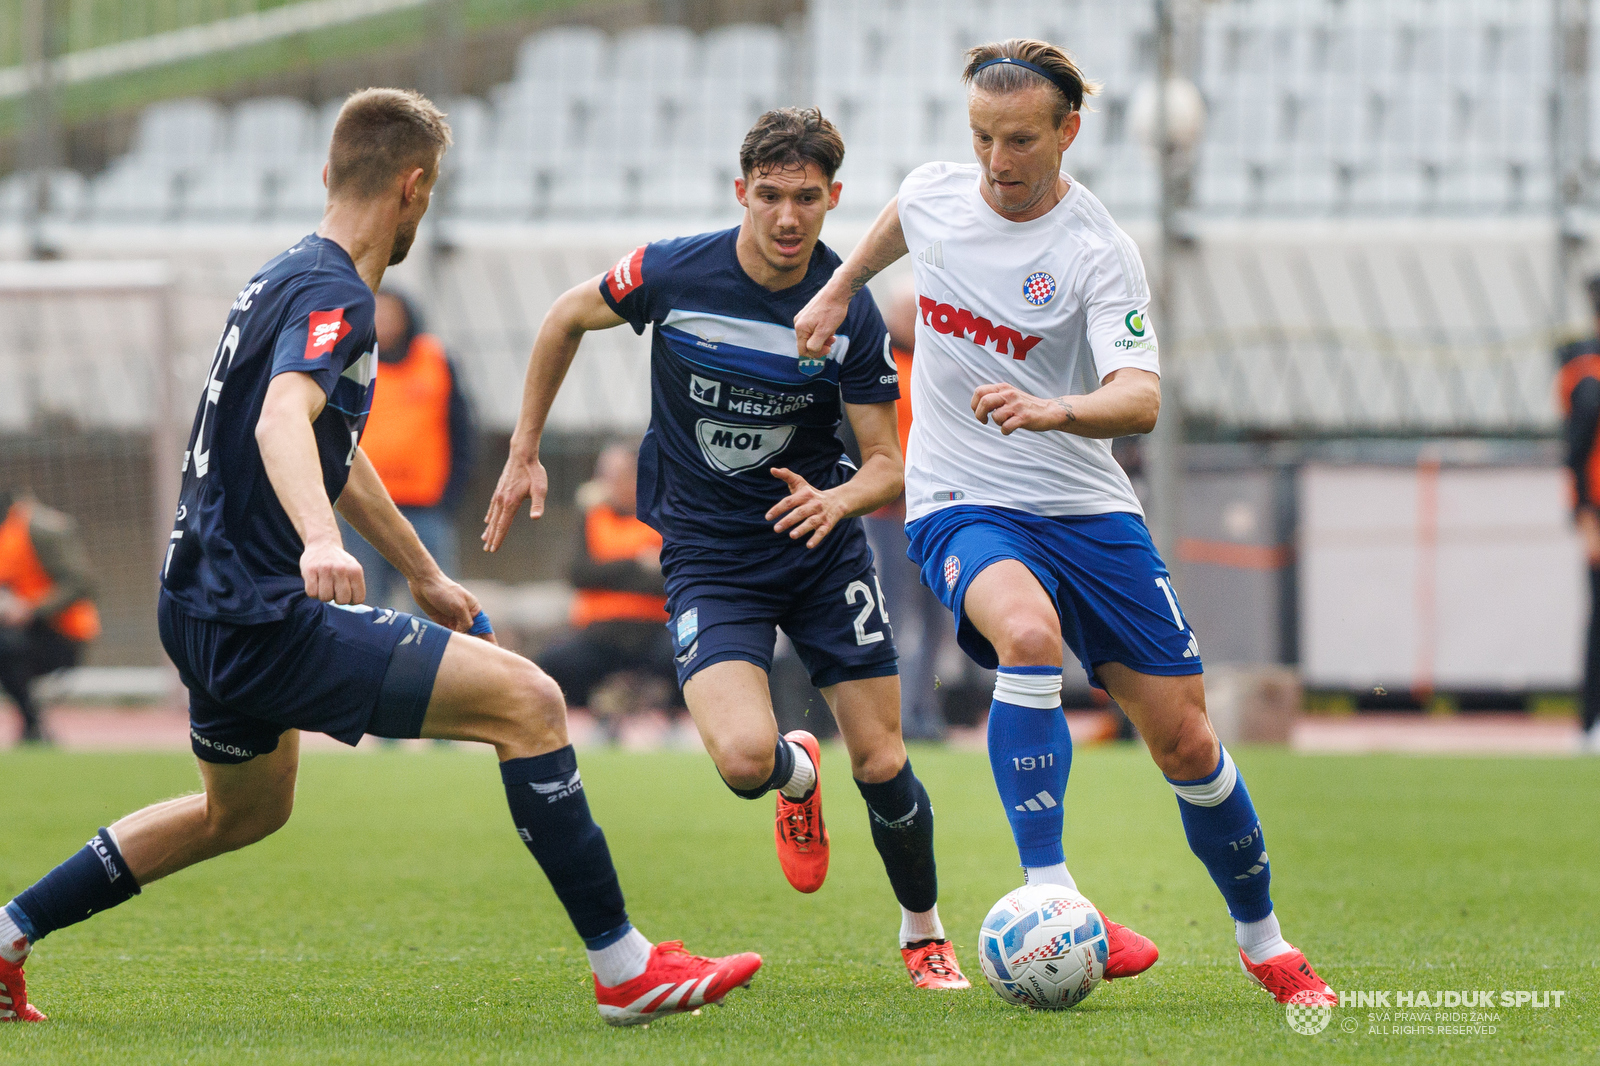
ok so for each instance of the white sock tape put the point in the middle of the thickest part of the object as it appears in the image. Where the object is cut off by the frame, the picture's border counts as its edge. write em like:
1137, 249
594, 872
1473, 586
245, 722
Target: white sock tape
1029, 690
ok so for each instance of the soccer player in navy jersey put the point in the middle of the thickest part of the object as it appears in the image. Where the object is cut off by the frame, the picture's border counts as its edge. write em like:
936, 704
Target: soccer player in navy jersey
743, 474
261, 606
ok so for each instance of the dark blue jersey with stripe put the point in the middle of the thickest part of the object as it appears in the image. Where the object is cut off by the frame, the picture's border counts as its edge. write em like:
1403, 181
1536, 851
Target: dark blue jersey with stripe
234, 555
730, 397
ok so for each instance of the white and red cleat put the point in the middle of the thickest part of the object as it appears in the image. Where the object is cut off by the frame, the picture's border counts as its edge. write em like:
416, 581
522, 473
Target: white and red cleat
1130, 954
14, 1005
932, 964
1288, 975
802, 838
674, 982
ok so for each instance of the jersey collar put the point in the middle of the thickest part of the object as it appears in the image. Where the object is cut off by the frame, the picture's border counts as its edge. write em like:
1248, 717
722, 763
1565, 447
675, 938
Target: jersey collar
991, 218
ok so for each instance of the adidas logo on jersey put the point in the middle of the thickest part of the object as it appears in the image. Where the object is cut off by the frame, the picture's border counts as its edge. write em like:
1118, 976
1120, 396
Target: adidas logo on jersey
933, 255
949, 319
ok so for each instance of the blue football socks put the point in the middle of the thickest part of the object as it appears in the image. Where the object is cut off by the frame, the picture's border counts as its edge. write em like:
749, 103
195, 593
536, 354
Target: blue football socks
551, 814
1225, 834
1030, 751
93, 880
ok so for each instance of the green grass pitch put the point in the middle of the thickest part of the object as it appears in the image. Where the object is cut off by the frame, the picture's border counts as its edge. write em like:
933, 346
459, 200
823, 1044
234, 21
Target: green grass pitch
398, 919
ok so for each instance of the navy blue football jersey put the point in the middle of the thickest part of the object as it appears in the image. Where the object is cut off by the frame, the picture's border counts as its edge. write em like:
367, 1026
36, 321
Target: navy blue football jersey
234, 555
730, 397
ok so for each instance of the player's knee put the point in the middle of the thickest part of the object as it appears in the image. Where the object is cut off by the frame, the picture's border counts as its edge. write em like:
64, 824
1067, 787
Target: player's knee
534, 703
234, 829
1188, 752
1026, 640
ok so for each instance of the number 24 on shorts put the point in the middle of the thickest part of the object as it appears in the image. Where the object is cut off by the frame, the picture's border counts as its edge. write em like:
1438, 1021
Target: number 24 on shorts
860, 591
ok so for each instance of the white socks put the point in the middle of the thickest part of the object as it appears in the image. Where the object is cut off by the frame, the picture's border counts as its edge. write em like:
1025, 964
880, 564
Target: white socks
11, 936
923, 926
804, 776
621, 962
1261, 940
1049, 875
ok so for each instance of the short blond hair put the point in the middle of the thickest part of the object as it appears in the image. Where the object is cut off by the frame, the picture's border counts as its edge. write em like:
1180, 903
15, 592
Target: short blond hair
381, 133
1069, 87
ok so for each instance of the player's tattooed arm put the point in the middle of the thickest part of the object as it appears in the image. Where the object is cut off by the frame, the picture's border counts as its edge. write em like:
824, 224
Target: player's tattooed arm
1066, 408
817, 322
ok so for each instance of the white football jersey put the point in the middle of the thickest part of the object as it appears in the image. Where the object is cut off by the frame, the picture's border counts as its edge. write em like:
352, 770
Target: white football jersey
1051, 306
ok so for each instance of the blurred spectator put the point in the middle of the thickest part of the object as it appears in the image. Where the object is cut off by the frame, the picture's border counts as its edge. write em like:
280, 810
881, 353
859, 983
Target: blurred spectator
921, 623
47, 611
1578, 395
620, 610
421, 438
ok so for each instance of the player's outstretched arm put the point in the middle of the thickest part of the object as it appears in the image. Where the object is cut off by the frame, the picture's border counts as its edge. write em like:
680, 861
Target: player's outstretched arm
1127, 402
576, 312
820, 318
881, 479
289, 452
368, 507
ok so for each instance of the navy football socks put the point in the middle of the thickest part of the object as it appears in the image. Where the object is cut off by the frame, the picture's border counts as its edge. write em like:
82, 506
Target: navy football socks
1225, 834
1030, 751
902, 830
93, 880
551, 814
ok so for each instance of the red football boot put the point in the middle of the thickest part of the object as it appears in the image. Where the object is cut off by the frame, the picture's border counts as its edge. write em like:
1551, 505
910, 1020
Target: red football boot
802, 838
1130, 954
14, 1005
674, 982
1287, 975
932, 964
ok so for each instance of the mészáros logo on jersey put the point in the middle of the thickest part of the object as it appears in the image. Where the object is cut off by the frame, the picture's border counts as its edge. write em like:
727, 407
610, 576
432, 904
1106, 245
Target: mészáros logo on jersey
731, 449
949, 319
1039, 289
324, 329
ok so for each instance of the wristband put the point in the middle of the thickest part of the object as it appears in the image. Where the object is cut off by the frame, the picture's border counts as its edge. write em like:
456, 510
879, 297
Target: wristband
481, 626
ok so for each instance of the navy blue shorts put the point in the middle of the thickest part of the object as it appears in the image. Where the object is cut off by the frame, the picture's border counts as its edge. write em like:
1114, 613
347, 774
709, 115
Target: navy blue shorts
343, 671
1111, 589
726, 604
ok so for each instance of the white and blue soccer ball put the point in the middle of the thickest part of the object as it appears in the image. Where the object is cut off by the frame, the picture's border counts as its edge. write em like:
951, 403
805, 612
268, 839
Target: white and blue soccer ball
1043, 946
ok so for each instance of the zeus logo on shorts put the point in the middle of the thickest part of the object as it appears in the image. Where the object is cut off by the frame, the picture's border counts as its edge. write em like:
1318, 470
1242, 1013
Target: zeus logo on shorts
731, 449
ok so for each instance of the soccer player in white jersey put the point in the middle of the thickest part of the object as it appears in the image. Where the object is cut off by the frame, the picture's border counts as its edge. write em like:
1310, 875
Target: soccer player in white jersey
1034, 349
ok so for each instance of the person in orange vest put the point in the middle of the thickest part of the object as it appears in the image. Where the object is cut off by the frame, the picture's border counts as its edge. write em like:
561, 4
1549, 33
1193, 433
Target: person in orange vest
1578, 398
620, 609
921, 623
421, 437
47, 612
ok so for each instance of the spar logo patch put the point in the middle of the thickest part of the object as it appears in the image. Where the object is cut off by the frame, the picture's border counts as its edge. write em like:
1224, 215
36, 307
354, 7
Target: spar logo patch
1039, 289
627, 275
324, 329
952, 572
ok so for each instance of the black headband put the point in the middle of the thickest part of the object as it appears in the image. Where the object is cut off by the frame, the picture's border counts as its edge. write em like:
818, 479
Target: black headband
1067, 88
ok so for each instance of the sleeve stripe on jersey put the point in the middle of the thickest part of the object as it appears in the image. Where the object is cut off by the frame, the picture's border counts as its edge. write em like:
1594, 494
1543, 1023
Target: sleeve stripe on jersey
627, 275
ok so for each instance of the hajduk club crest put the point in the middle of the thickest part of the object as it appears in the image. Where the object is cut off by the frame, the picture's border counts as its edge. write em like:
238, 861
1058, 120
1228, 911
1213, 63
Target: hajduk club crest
1039, 289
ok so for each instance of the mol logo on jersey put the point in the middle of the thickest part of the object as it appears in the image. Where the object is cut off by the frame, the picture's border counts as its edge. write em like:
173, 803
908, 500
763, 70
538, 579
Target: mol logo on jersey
324, 329
731, 449
949, 319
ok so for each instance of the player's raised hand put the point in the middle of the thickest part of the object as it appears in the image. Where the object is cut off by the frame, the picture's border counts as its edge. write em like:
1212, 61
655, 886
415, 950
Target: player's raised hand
1012, 409
817, 322
806, 509
447, 602
522, 479
332, 574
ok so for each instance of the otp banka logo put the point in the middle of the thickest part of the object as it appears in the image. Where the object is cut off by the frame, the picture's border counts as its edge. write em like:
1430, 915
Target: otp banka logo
703, 390
731, 449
